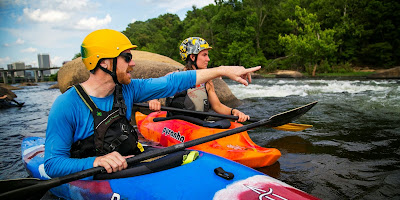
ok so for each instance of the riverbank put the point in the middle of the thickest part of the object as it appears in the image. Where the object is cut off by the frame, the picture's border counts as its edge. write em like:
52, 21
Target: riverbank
392, 73
357, 73
347, 74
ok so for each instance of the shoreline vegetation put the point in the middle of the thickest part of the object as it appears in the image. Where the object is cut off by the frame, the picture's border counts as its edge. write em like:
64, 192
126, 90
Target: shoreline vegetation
367, 73
317, 37
356, 73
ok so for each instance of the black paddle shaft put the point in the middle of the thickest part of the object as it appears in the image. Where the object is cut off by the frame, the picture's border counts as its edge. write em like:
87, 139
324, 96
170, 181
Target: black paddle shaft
44, 185
205, 114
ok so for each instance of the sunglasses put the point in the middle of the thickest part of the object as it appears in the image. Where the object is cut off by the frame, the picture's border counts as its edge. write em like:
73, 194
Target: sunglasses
126, 56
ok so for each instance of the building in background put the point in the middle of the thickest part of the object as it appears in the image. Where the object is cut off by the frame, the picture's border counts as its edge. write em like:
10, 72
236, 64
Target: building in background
17, 65
9, 66
44, 63
29, 74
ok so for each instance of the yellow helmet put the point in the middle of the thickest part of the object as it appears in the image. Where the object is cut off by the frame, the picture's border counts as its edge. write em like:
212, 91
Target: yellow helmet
103, 43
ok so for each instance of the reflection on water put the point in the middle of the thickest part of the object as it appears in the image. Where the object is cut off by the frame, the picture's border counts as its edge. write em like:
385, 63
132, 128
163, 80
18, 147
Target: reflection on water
352, 152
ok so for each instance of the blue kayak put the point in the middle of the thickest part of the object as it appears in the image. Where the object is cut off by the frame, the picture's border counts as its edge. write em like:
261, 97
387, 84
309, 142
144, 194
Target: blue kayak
207, 177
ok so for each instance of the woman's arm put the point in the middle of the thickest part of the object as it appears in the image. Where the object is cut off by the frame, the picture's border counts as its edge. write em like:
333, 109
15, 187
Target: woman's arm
220, 108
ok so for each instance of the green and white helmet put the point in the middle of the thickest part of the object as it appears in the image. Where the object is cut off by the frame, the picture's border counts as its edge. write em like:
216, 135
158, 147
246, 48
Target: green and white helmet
192, 45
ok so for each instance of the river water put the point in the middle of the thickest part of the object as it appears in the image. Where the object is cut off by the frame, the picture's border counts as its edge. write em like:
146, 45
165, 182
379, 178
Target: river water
352, 152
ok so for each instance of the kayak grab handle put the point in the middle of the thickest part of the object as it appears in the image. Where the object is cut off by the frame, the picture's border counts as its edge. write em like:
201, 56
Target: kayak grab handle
224, 174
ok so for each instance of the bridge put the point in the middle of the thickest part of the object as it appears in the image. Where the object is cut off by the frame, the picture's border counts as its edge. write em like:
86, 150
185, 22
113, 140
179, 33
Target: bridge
36, 71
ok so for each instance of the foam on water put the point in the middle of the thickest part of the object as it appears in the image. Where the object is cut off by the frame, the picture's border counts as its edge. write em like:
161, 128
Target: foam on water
290, 87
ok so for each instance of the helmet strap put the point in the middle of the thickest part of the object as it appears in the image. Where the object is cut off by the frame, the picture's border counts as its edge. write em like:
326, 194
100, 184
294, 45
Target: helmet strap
113, 73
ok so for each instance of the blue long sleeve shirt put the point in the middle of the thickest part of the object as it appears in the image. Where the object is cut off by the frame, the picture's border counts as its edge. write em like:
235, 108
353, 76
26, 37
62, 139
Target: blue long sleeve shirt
70, 119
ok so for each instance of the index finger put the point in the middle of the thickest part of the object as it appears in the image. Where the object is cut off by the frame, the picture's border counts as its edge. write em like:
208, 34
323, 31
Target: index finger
253, 69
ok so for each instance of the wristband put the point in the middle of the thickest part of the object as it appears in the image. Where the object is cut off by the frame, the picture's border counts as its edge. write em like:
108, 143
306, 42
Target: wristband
232, 111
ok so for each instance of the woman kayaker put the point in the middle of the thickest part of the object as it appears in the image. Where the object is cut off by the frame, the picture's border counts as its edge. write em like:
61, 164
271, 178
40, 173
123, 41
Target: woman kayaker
194, 50
88, 125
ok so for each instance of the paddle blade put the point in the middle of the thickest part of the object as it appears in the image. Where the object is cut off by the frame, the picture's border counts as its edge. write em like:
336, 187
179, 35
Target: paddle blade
13, 184
8, 185
288, 116
293, 127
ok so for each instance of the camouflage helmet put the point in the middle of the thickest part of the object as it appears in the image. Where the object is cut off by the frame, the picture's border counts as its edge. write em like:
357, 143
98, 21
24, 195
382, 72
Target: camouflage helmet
192, 45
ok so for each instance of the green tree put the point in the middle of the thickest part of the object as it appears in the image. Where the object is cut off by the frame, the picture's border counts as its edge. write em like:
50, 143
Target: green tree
234, 36
258, 32
380, 44
310, 45
158, 35
77, 55
198, 23
367, 32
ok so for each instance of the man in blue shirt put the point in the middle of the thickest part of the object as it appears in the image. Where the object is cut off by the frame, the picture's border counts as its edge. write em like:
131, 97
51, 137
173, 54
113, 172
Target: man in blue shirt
106, 54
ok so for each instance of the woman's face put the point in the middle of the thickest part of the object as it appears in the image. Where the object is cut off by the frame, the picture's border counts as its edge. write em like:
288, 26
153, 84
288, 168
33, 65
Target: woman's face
203, 59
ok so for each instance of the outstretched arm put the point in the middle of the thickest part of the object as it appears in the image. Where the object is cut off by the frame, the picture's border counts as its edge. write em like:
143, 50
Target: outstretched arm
236, 73
220, 108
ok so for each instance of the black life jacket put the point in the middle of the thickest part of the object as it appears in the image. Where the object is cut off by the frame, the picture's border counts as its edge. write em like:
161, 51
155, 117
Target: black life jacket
112, 131
192, 99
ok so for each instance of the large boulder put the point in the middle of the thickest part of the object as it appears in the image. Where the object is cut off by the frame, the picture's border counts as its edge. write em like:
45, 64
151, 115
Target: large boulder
148, 65
72, 73
153, 69
225, 94
388, 73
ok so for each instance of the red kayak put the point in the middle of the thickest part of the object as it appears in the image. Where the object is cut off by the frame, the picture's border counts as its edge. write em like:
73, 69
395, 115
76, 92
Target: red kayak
238, 147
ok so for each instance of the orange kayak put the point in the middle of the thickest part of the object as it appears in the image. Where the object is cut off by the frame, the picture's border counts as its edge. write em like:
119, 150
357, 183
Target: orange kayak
238, 147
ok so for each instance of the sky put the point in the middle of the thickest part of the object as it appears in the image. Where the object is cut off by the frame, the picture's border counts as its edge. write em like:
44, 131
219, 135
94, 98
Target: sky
58, 27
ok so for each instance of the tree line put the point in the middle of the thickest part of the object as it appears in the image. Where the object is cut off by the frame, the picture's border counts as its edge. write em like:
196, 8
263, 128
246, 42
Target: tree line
306, 35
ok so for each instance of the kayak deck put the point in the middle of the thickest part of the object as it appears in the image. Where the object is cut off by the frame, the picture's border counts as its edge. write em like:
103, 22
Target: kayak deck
195, 180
